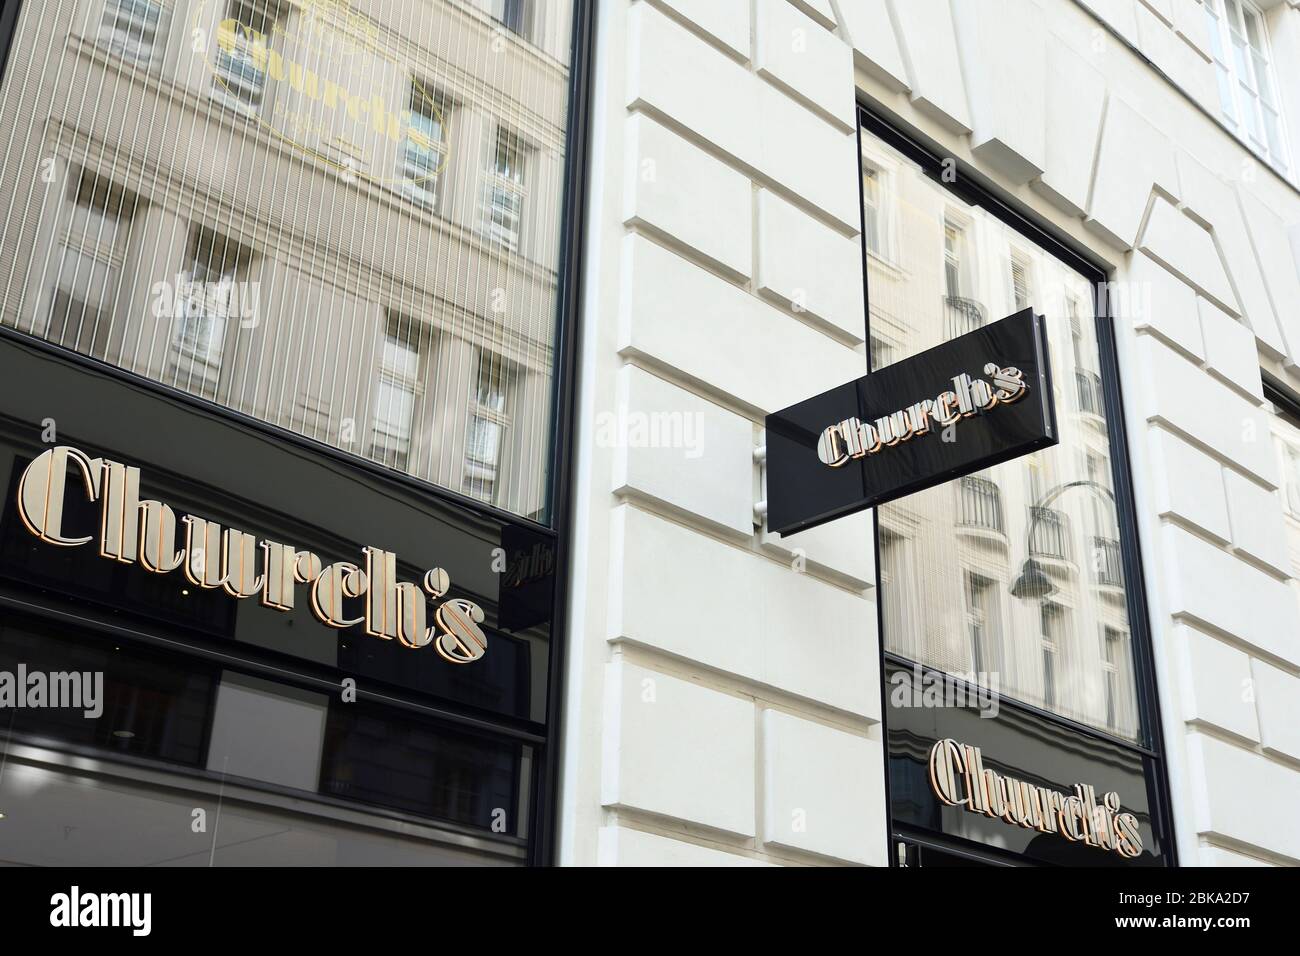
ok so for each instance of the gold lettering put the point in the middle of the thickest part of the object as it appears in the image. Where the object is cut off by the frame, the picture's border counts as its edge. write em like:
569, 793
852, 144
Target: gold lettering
41, 491
120, 517
340, 580
946, 762
277, 575
462, 640
1077, 817
213, 557
158, 538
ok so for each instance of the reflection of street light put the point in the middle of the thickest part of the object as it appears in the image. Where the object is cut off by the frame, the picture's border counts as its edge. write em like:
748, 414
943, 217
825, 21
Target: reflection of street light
1034, 584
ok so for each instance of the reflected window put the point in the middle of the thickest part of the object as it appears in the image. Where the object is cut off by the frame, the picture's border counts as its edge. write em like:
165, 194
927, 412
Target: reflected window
954, 249
1052, 628
504, 191
873, 212
487, 428
424, 151
242, 52
397, 390
87, 268
1021, 290
213, 293
515, 15
983, 619
135, 31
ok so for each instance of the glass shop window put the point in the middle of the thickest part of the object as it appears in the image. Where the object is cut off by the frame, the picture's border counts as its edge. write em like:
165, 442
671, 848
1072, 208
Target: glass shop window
247, 201
1021, 560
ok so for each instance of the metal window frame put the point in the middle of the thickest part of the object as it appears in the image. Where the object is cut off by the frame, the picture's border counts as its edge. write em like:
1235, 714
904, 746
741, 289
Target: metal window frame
962, 182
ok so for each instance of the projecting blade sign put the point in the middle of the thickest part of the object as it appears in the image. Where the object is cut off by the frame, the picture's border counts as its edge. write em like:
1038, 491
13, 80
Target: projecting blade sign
972, 402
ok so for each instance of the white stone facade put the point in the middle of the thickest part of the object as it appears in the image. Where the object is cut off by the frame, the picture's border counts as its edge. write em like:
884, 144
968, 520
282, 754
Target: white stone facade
722, 694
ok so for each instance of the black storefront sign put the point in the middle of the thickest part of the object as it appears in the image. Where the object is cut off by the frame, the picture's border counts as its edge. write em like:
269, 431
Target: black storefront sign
424, 736
968, 404
1013, 785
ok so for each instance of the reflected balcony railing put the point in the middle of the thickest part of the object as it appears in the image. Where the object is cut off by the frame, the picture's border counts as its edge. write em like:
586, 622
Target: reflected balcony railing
979, 504
962, 315
1089, 387
1107, 567
1049, 534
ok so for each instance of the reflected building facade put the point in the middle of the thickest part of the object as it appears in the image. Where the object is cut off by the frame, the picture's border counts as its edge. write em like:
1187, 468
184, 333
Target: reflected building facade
291, 266
1011, 575
338, 218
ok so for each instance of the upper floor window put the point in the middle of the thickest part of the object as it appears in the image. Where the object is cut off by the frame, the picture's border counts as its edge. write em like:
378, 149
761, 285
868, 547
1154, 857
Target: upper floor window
134, 30
424, 151
1291, 475
86, 270
243, 50
982, 618
397, 391
215, 292
1052, 630
1021, 288
503, 198
1286, 432
1247, 86
954, 249
873, 214
515, 15
488, 424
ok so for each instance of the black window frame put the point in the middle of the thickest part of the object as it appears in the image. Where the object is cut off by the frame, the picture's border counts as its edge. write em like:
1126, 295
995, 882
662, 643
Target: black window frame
967, 185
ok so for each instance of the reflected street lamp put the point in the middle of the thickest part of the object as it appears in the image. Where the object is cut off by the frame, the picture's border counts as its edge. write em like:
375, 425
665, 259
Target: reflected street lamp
1033, 582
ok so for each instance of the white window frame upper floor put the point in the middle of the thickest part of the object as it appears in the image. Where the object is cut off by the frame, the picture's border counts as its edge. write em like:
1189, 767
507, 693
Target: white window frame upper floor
1247, 81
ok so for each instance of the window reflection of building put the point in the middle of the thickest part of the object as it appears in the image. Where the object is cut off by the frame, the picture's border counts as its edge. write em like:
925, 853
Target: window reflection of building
444, 210
1050, 513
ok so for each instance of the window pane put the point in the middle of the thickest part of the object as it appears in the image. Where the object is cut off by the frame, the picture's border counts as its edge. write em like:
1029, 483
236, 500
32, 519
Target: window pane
242, 223
1225, 95
871, 209
1021, 563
